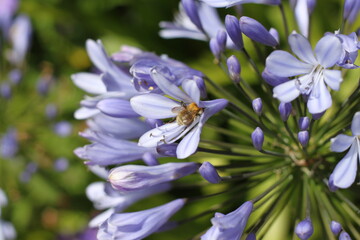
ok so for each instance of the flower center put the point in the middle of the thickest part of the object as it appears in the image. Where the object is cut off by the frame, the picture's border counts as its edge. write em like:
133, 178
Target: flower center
306, 82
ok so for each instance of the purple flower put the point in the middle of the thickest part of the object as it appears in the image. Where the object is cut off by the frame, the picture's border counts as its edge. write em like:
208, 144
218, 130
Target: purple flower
229, 226
256, 31
107, 150
351, 46
61, 164
63, 128
5, 90
344, 173
137, 177
312, 71
191, 114
104, 196
208, 171
20, 34
285, 110
233, 29
303, 137
234, 68
304, 229
8, 231
304, 123
9, 144
257, 106
191, 10
272, 79
230, 3
138, 225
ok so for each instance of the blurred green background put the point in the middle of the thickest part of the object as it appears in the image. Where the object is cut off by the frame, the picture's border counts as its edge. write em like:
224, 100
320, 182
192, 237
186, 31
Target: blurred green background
52, 202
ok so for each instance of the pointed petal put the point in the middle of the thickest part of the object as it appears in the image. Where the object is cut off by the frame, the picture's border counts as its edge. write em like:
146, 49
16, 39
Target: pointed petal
84, 113
341, 142
168, 87
89, 82
191, 88
328, 50
286, 92
302, 16
98, 55
283, 64
320, 98
302, 48
154, 106
355, 125
345, 171
211, 107
333, 78
189, 143
116, 107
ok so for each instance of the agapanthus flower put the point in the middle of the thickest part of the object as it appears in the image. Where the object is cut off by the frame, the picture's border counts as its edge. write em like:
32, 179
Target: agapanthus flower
312, 72
9, 144
302, 10
351, 46
190, 113
138, 225
7, 11
345, 171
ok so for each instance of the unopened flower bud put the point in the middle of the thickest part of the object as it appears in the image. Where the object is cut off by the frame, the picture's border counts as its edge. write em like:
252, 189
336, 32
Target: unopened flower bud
285, 110
215, 48
209, 173
192, 12
344, 236
233, 29
351, 10
335, 227
149, 159
256, 31
221, 37
304, 123
234, 68
5, 91
257, 106
303, 137
304, 229
257, 138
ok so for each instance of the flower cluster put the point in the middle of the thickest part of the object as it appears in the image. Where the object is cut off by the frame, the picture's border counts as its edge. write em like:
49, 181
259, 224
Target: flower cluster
260, 148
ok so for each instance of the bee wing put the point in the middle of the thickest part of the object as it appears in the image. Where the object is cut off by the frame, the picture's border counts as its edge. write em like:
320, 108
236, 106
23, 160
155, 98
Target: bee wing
177, 109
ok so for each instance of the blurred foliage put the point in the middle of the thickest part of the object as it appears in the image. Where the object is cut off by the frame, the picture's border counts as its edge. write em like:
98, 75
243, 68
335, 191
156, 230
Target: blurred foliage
54, 203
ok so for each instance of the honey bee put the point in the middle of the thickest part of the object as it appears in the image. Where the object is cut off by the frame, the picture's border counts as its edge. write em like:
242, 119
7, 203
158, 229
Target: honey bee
187, 113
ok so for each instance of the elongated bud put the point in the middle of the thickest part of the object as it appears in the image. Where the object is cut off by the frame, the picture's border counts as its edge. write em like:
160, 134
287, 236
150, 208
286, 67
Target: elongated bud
257, 138
344, 236
304, 123
335, 227
256, 31
257, 106
304, 229
303, 137
209, 173
200, 83
351, 10
234, 68
215, 48
191, 10
233, 29
285, 110
150, 159
221, 37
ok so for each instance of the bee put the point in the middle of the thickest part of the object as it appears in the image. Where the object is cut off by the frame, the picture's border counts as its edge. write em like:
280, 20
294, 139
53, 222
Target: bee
187, 113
